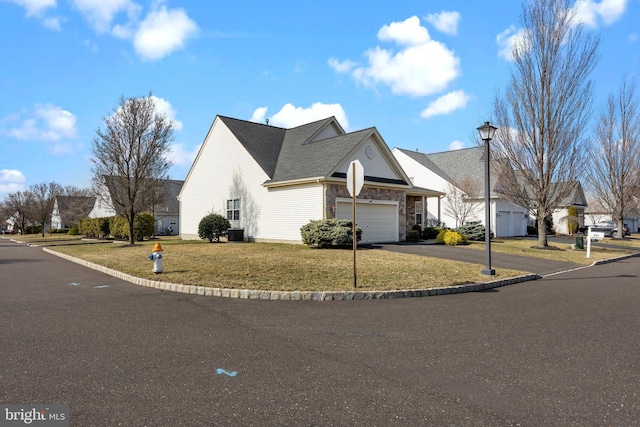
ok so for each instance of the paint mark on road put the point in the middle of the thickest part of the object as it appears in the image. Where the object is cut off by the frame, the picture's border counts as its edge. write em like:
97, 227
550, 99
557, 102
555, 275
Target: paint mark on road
74, 284
100, 286
220, 371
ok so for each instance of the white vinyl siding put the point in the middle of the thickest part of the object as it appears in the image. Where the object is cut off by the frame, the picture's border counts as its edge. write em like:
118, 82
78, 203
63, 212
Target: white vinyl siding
376, 166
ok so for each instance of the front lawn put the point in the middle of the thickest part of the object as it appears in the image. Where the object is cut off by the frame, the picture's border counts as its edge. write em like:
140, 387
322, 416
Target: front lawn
282, 267
557, 250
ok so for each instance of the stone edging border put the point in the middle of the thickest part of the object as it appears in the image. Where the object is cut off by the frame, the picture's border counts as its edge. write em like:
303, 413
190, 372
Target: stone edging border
297, 295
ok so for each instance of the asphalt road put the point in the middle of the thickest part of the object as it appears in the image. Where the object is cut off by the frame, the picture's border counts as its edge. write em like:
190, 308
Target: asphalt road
563, 350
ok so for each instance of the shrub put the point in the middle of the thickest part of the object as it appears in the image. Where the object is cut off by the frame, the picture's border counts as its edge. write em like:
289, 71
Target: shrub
413, 236
330, 233
143, 226
73, 231
532, 231
118, 227
418, 228
440, 236
212, 227
430, 232
453, 238
473, 230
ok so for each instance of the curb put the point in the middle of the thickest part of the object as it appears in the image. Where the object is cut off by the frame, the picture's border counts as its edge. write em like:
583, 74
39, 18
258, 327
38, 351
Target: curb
297, 295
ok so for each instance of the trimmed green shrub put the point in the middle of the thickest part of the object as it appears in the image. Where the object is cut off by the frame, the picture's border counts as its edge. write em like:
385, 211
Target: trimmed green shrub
440, 236
143, 226
212, 227
453, 238
474, 230
413, 236
119, 227
430, 232
330, 233
73, 231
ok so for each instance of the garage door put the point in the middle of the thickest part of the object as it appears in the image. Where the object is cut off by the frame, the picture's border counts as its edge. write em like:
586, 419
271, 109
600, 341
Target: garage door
378, 221
503, 228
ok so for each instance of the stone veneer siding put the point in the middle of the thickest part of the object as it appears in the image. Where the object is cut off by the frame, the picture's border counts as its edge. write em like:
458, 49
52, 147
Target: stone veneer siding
334, 191
411, 211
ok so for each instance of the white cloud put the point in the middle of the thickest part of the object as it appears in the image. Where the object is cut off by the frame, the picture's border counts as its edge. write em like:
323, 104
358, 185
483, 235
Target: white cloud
259, 115
47, 123
163, 32
509, 38
421, 67
406, 33
342, 67
163, 106
446, 104
456, 145
180, 155
447, 22
52, 23
101, 13
11, 180
291, 116
35, 8
590, 12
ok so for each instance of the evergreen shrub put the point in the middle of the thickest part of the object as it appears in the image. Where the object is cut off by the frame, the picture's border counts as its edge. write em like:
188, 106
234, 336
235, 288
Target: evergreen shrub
212, 227
330, 233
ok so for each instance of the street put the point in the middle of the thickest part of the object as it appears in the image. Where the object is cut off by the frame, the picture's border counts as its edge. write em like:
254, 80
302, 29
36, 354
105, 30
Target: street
563, 350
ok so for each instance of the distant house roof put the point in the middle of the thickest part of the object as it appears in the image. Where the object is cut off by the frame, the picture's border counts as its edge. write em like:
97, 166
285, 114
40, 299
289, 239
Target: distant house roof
169, 202
576, 197
455, 165
299, 152
84, 202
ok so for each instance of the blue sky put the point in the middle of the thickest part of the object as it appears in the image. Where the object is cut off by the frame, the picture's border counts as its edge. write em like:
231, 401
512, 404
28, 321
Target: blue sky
424, 73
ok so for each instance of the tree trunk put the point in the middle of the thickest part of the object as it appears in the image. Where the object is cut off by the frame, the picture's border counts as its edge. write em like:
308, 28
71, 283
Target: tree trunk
132, 237
620, 229
542, 232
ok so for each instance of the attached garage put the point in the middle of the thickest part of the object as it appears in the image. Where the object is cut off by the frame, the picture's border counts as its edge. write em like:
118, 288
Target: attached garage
378, 219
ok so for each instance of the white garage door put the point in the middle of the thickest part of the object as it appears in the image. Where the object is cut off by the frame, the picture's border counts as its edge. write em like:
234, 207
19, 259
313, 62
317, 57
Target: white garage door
378, 221
504, 224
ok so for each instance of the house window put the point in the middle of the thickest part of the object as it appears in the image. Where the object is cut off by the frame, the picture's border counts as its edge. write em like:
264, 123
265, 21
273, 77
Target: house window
418, 213
233, 210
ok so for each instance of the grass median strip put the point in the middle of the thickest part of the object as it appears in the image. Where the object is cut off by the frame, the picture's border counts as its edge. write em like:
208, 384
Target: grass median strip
557, 251
283, 267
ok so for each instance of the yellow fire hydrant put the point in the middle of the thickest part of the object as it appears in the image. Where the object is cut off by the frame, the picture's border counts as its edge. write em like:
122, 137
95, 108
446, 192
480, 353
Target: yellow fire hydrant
156, 257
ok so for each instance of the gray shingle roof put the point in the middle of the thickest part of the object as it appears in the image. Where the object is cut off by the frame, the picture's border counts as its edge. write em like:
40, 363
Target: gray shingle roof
291, 154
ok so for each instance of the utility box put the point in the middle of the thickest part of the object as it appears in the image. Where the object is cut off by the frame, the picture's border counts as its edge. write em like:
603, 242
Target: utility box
579, 242
235, 235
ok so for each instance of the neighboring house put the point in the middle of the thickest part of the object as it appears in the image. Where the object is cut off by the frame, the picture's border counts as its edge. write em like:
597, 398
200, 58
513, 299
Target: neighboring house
448, 170
561, 216
66, 207
166, 212
594, 216
271, 181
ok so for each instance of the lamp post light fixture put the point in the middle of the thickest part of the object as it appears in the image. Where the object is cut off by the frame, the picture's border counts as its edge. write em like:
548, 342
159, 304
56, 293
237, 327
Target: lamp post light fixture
487, 130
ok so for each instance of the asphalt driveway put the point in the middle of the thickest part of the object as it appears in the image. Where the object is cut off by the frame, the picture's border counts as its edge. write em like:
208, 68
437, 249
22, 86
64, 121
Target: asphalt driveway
538, 266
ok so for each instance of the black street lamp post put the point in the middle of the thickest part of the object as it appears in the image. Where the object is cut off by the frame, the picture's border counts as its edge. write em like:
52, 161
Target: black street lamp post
486, 134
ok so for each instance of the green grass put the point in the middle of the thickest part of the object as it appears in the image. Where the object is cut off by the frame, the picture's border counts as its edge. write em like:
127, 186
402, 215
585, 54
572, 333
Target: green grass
557, 251
282, 267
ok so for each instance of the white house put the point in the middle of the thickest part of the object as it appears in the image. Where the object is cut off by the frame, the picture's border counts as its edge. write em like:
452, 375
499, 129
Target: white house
271, 181
447, 169
76, 207
166, 212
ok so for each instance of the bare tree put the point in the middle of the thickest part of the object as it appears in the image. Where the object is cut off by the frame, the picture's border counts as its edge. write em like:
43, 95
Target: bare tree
130, 157
74, 204
614, 172
545, 108
18, 207
463, 199
44, 196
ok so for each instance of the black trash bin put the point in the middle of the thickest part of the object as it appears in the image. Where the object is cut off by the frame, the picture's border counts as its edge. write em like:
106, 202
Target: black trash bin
579, 242
235, 235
